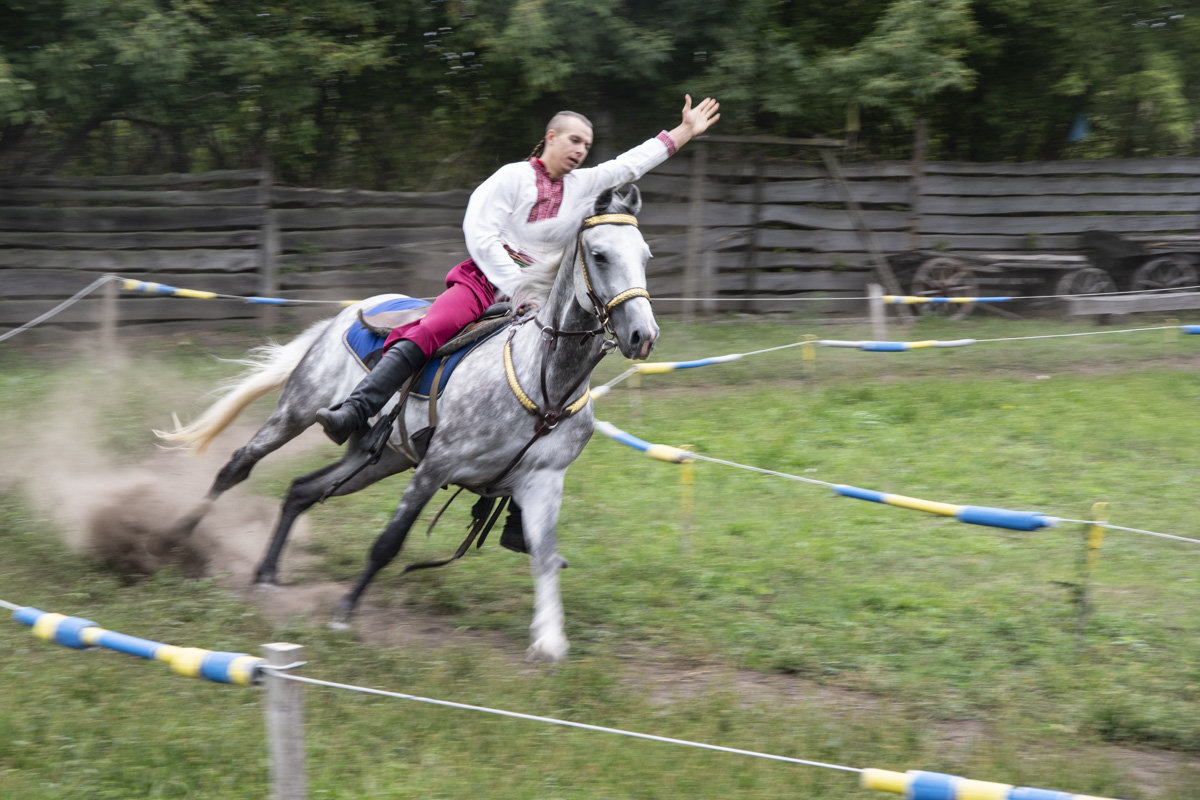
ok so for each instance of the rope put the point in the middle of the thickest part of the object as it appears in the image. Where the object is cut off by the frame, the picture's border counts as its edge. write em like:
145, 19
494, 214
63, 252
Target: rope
1084, 333
553, 721
1102, 524
63, 306
9, 606
981, 515
822, 297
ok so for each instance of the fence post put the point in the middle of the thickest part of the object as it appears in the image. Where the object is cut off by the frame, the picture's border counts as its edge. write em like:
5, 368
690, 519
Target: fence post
878, 312
269, 246
285, 724
692, 280
108, 318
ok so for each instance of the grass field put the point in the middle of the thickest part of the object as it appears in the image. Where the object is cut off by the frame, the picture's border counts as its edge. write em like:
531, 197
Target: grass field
783, 619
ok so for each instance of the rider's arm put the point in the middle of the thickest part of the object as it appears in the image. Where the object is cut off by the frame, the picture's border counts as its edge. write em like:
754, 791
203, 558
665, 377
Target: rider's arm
635, 163
489, 211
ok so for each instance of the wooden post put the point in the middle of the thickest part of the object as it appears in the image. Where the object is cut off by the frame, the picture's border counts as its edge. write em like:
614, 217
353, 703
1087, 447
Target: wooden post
882, 270
269, 246
691, 264
916, 171
878, 312
108, 318
750, 264
285, 724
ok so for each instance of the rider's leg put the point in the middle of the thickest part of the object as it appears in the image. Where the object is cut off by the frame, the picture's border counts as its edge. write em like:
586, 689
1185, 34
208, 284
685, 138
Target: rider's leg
406, 350
372, 393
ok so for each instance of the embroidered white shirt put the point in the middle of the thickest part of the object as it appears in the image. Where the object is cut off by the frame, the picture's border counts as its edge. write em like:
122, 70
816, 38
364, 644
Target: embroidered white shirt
500, 225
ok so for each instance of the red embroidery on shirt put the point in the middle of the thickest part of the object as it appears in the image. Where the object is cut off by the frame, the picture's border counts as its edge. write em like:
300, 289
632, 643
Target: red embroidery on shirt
549, 193
666, 139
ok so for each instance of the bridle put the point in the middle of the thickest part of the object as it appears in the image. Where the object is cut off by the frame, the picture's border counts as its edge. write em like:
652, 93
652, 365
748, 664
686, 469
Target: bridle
548, 413
602, 309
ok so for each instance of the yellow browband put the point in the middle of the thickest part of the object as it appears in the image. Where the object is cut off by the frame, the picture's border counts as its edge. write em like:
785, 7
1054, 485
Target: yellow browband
611, 219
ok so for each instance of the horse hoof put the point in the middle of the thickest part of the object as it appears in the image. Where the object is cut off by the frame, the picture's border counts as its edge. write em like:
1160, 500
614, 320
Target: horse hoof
266, 579
548, 650
267, 587
340, 621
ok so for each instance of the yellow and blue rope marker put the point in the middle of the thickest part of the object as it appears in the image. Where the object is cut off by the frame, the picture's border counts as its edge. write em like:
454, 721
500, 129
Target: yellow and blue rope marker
908, 300
891, 347
660, 452
166, 290
975, 515
921, 785
194, 662
656, 368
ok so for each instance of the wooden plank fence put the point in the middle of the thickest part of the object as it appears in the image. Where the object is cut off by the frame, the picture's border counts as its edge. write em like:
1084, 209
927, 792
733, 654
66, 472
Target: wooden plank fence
722, 223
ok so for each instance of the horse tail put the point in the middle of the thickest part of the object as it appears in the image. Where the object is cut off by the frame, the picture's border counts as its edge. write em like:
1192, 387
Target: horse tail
269, 368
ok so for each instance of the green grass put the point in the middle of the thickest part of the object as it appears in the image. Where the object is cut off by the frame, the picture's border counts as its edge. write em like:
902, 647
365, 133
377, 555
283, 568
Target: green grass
827, 628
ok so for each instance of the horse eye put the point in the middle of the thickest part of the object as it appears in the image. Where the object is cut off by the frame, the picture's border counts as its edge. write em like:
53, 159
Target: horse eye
599, 257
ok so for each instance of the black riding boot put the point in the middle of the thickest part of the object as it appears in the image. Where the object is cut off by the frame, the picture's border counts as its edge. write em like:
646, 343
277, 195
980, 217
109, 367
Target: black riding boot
346, 418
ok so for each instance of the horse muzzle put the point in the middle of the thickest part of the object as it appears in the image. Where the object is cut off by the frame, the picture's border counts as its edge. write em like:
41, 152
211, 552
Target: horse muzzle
636, 329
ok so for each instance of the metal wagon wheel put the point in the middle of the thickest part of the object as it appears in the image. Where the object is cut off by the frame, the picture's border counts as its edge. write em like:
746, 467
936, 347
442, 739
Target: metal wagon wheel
943, 276
1172, 272
1085, 280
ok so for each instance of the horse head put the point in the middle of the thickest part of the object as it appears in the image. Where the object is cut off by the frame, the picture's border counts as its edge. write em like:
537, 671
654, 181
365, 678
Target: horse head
612, 265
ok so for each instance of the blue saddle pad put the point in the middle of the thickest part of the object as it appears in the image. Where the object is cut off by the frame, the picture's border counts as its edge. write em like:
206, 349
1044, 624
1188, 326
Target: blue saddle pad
363, 342
424, 383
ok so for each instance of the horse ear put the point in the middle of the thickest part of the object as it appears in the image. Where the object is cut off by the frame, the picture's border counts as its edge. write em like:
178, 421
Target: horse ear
604, 201
633, 199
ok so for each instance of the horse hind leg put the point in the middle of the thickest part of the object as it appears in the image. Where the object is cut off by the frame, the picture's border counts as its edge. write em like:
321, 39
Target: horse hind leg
280, 428
388, 544
343, 477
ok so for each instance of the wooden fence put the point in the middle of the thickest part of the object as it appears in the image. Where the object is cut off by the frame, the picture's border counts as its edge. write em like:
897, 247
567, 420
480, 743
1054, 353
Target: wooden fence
724, 225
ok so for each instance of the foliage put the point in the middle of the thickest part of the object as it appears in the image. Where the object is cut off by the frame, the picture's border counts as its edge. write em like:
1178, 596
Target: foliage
421, 93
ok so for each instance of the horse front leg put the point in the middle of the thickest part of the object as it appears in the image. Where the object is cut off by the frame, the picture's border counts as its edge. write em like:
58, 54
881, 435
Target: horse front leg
387, 546
539, 499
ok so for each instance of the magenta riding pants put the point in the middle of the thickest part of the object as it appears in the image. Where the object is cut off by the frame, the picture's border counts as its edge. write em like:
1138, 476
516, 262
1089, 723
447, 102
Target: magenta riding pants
468, 293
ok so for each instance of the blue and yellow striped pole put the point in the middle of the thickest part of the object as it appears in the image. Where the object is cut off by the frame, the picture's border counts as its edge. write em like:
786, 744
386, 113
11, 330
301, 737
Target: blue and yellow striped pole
896, 347
909, 300
659, 367
659, 452
975, 515
149, 287
194, 662
166, 290
921, 785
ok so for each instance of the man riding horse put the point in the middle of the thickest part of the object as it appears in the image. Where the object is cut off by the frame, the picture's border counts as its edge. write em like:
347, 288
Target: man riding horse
526, 212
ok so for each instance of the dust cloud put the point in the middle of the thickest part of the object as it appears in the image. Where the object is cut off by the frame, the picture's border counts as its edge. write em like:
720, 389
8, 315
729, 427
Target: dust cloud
125, 510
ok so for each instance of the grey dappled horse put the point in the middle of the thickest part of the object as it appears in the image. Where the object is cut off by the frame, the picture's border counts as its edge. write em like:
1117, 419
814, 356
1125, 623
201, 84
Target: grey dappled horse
511, 420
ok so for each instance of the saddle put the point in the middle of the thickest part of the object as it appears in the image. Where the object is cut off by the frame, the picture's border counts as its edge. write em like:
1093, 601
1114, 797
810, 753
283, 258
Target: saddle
378, 324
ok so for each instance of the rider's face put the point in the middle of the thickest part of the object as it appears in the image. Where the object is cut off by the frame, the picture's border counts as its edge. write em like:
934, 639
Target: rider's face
566, 147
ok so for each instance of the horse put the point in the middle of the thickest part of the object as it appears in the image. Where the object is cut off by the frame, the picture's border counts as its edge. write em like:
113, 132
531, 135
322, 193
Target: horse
492, 436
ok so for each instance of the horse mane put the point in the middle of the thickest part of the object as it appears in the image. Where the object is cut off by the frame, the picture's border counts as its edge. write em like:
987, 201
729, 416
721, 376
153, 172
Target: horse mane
536, 281
538, 278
